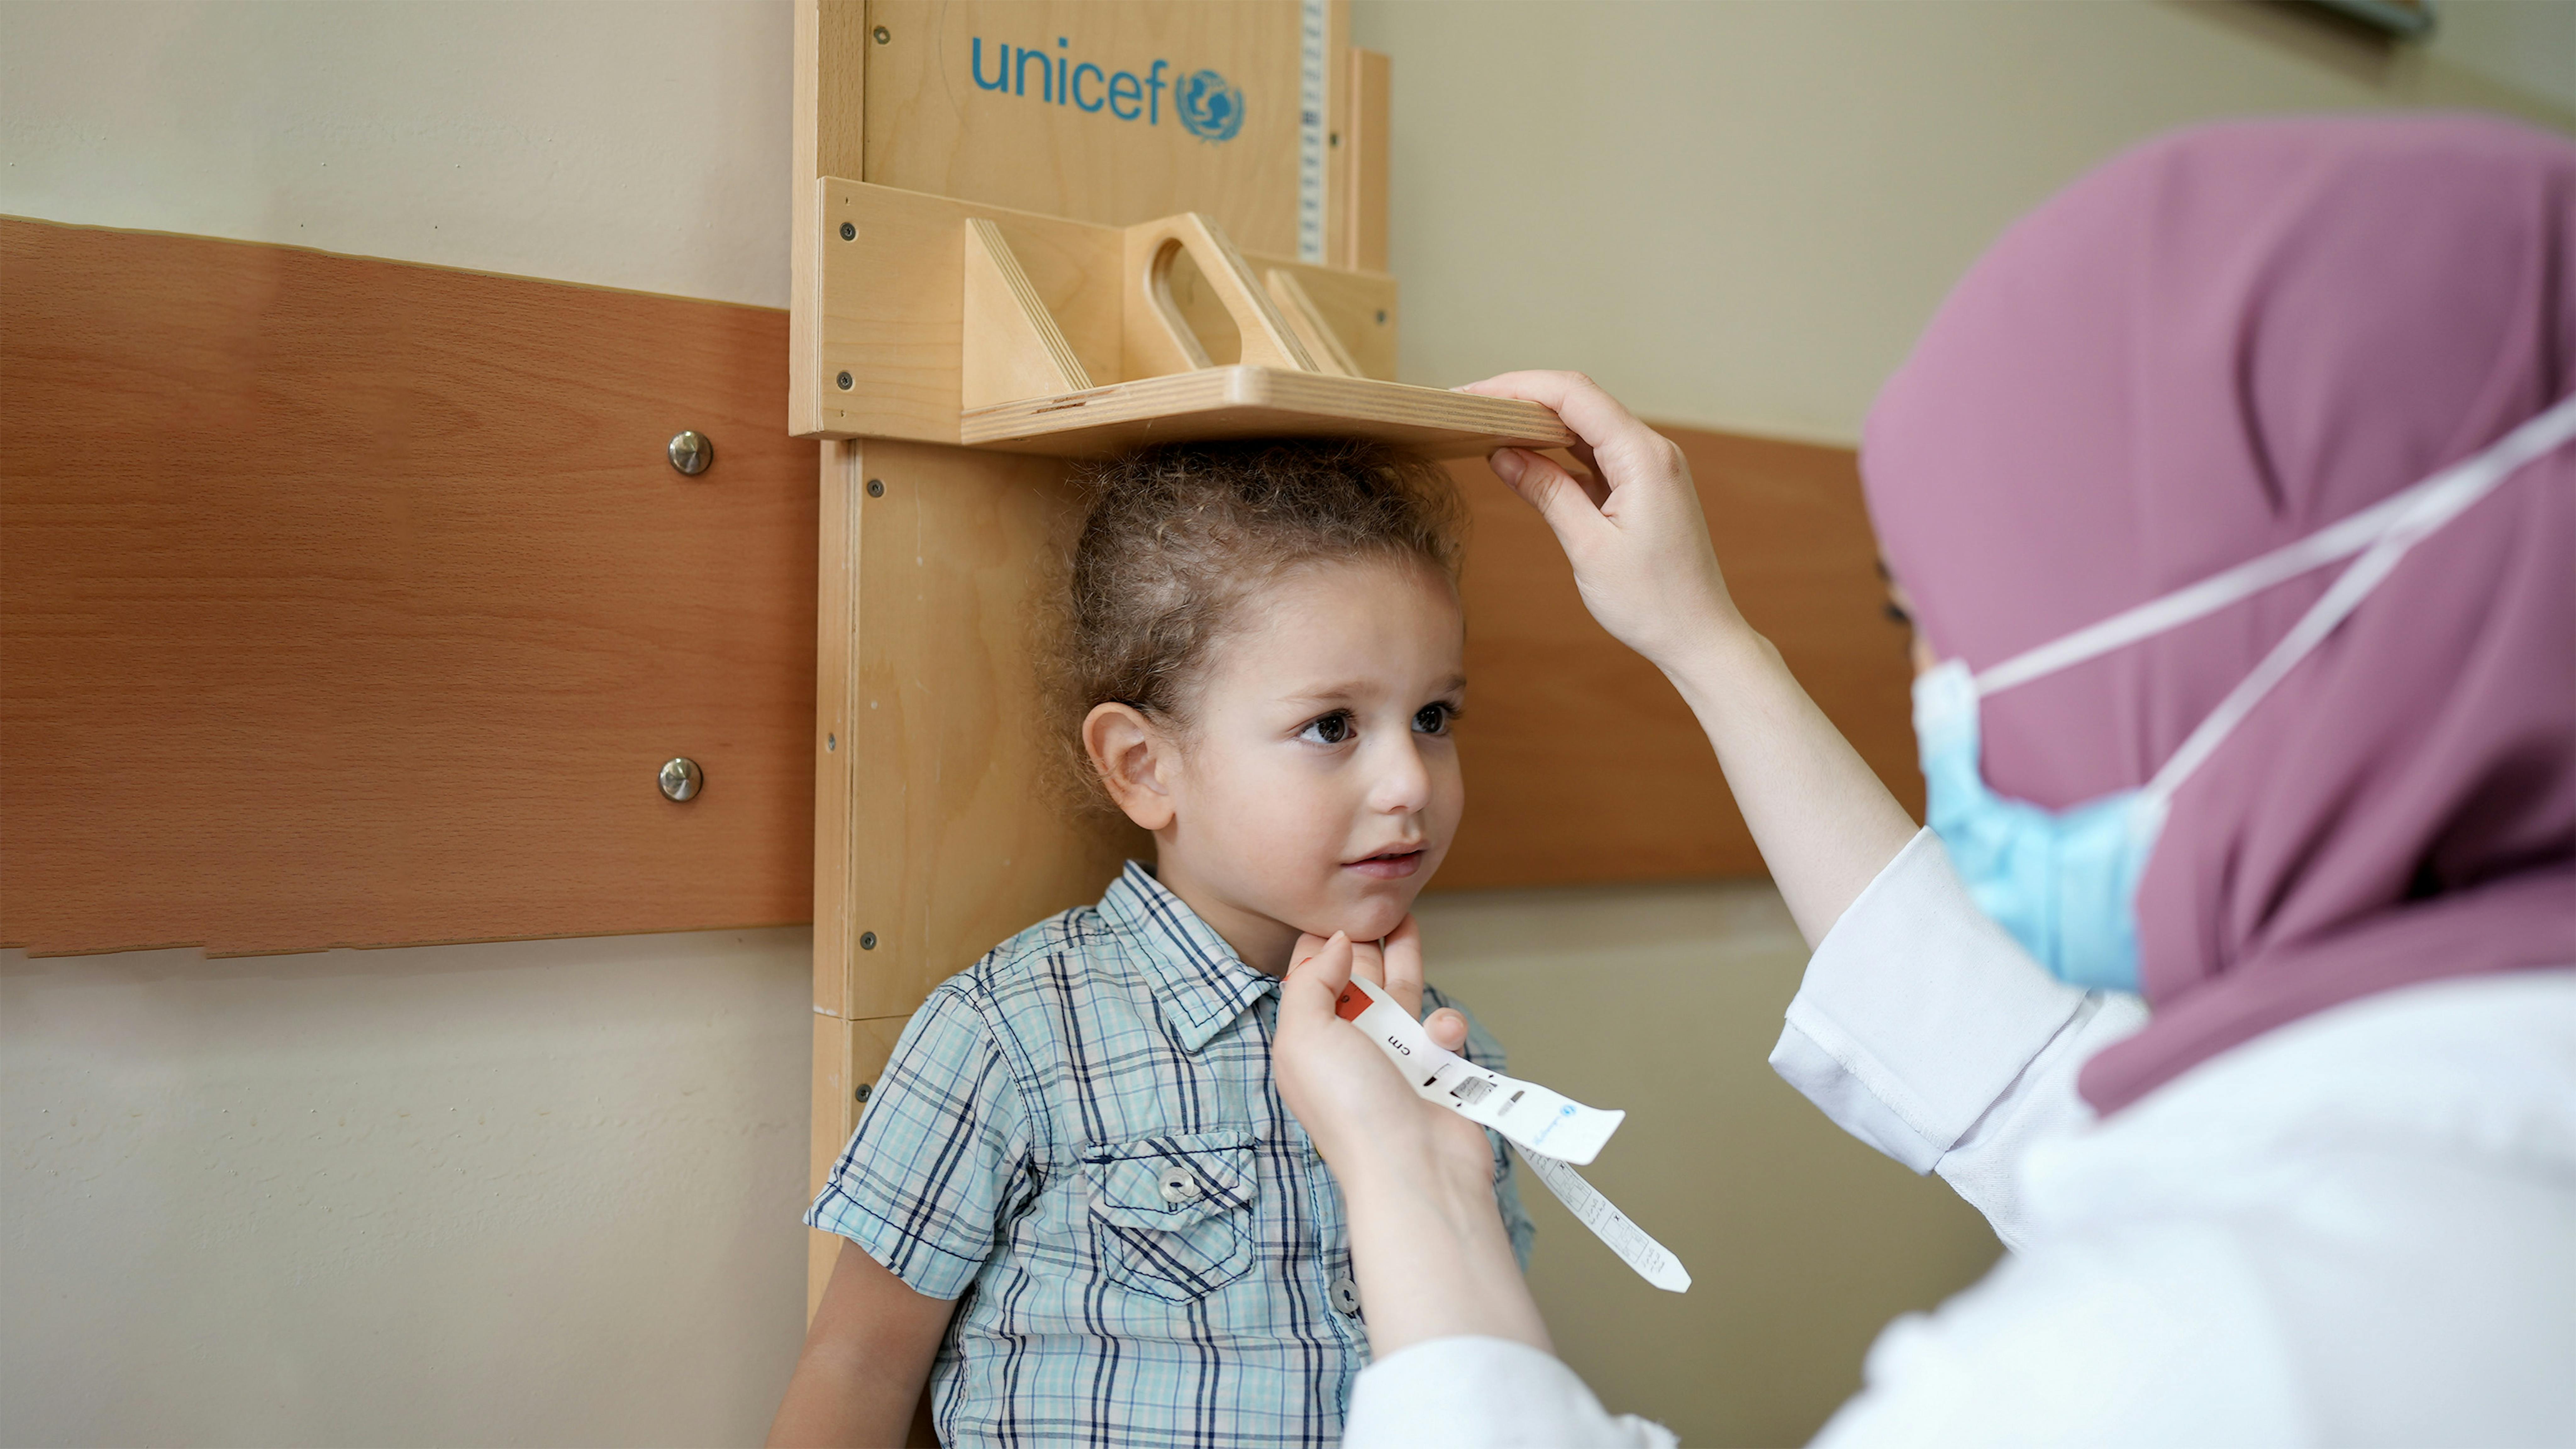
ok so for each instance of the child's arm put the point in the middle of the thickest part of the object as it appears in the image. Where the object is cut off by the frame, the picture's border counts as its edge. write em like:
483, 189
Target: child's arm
866, 1359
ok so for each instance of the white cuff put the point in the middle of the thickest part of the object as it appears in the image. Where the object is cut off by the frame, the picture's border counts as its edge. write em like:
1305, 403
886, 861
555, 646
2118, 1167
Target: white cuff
1485, 1393
1917, 1012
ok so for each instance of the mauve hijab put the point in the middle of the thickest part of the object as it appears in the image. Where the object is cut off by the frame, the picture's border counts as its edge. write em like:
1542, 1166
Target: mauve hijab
2212, 346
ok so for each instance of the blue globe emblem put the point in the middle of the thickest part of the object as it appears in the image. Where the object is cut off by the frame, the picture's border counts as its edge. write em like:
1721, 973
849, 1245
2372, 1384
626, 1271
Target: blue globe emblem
1209, 105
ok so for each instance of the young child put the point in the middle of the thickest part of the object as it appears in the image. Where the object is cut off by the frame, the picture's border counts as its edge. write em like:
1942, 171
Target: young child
1075, 1182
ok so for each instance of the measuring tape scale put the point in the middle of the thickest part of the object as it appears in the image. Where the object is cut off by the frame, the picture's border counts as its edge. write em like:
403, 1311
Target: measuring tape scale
1551, 1132
1312, 19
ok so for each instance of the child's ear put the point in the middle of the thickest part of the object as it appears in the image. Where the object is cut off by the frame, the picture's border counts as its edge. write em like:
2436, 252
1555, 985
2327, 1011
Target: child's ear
1132, 758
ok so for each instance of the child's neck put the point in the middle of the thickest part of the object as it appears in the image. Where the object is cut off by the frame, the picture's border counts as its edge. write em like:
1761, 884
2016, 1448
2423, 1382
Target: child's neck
1264, 944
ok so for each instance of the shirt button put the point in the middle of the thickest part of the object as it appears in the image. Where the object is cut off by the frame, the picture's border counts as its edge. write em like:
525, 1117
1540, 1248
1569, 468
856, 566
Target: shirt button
1179, 1186
1346, 1296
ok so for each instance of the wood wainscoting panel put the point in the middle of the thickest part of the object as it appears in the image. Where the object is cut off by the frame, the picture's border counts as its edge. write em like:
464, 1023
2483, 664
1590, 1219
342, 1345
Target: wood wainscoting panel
348, 602
1582, 762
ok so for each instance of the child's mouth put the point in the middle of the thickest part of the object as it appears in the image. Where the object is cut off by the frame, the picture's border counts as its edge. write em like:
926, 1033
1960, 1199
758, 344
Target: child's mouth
1389, 864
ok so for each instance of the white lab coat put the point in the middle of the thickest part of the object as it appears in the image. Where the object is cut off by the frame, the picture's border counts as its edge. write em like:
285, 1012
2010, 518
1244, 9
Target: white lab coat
2357, 1229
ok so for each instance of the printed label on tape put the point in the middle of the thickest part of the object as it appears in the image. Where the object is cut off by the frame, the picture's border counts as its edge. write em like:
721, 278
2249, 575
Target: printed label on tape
1525, 1113
1530, 1115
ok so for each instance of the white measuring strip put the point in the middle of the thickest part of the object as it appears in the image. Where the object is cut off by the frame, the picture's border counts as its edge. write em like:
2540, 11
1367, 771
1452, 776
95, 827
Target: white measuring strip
1312, 35
1552, 1132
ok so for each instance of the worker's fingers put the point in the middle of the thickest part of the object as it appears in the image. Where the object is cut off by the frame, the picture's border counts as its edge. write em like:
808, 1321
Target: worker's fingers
1572, 512
1448, 1028
1318, 969
1588, 472
1402, 953
1595, 416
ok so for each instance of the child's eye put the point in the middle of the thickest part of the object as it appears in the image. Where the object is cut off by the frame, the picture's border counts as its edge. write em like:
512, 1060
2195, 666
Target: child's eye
1332, 729
1433, 719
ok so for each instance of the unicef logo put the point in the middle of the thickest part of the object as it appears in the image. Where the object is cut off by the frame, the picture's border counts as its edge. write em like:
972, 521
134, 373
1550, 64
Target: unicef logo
1209, 105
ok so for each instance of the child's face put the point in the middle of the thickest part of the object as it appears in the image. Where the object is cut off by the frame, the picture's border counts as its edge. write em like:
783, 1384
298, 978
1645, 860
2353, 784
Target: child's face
1318, 787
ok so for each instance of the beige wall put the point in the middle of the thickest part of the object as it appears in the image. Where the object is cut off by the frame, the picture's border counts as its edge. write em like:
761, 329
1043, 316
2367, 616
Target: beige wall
546, 1192
1740, 214
526, 1193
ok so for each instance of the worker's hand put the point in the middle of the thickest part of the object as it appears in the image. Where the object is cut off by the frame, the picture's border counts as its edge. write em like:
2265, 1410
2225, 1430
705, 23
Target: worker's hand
1362, 1114
1396, 964
1629, 518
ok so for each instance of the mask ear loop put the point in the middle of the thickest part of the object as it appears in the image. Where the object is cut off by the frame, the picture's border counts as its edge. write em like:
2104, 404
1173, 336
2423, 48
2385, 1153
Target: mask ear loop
2428, 506
2340, 540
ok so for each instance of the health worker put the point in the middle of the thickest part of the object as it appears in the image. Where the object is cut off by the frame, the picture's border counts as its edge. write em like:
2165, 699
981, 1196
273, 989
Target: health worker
2233, 500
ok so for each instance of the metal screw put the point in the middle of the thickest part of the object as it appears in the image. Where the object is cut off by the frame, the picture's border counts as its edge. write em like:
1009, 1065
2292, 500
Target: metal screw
849, 232
691, 453
862, 1093
681, 779
845, 377
882, 35
867, 940
876, 488
1337, 138
831, 742
1381, 321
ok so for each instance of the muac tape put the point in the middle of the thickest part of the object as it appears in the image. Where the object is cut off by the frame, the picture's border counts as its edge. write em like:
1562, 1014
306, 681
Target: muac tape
1551, 1132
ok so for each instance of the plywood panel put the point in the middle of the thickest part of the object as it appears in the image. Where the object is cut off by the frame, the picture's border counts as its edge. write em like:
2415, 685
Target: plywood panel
1367, 144
836, 676
1582, 763
1263, 402
957, 838
829, 96
1015, 140
890, 308
353, 603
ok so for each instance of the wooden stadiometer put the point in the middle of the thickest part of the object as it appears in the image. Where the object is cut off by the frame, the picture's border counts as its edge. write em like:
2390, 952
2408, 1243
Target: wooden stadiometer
1029, 232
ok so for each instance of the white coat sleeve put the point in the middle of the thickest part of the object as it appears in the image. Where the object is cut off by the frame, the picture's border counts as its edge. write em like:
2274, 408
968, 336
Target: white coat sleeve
1485, 1393
1925, 1030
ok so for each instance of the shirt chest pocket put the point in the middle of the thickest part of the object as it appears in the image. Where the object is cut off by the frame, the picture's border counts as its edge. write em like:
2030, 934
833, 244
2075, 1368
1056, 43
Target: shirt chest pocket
1172, 1216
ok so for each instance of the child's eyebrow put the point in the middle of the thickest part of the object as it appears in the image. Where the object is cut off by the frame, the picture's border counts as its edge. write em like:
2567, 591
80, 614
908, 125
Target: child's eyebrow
1347, 690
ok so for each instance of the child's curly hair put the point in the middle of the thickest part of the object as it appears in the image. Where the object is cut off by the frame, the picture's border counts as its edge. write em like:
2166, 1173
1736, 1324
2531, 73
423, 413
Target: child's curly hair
1178, 538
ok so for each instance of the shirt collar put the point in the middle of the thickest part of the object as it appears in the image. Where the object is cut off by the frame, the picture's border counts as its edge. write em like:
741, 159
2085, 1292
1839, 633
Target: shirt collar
1198, 981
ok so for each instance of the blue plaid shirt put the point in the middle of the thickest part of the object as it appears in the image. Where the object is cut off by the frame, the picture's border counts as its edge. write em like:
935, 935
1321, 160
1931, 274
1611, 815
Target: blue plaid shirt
1080, 1136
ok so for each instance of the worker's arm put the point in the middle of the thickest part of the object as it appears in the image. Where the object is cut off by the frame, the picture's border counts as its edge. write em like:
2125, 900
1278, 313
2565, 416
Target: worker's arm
866, 1359
1642, 561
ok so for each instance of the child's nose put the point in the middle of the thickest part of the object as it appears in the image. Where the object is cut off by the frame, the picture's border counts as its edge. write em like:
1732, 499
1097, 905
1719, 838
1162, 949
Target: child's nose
1402, 784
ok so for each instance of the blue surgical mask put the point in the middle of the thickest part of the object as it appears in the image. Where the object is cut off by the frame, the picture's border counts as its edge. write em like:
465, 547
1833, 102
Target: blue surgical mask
2064, 883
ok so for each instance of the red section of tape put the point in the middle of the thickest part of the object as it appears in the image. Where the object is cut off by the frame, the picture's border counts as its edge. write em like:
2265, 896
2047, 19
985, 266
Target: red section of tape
1353, 1001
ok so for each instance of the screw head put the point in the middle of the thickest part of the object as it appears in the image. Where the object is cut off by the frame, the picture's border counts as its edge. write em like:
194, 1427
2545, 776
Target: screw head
831, 742
883, 35
681, 779
876, 488
1381, 321
691, 452
867, 940
862, 1092
849, 232
844, 380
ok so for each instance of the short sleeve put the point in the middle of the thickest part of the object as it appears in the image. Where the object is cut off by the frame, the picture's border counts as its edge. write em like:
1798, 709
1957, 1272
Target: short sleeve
934, 1170
1486, 1052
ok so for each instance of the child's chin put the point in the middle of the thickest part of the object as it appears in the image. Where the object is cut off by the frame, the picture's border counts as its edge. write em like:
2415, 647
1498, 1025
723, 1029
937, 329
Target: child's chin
1373, 919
